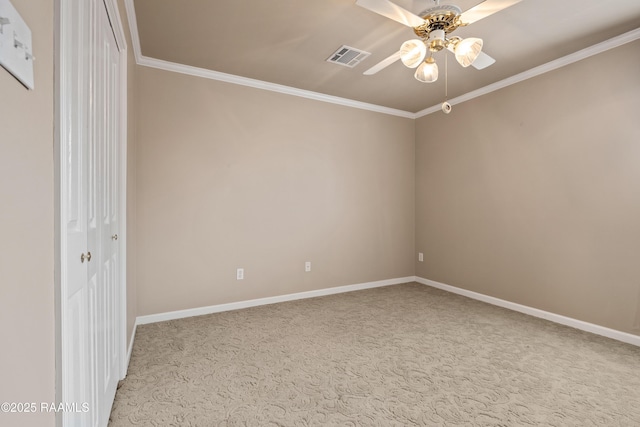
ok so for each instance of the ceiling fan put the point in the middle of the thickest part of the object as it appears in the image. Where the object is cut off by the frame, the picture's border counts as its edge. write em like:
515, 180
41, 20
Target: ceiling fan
434, 26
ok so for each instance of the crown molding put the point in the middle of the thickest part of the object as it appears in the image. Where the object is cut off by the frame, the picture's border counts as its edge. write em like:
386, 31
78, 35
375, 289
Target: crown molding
259, 84
133, 29
273, 87
544, 68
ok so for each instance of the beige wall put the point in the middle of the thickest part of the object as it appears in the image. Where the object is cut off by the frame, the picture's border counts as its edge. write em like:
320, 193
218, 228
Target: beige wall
532, 193
27, 352
230, 176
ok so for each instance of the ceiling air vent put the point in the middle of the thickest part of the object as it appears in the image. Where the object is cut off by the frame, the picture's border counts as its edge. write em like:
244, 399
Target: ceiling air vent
348, 56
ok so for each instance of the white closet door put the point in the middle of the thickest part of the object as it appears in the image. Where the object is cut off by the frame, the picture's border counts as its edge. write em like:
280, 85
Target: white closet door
106, 126
77, 331
89, 92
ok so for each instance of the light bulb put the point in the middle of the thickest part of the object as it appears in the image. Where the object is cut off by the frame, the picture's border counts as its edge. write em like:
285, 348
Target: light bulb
427, 72
412, 52
467, 50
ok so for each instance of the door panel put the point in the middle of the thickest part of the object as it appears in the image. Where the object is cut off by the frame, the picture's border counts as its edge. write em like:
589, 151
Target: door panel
77, 330
107, 112
89, 88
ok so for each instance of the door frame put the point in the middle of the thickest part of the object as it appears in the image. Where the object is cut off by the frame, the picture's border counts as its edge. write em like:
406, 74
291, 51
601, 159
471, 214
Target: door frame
60, 256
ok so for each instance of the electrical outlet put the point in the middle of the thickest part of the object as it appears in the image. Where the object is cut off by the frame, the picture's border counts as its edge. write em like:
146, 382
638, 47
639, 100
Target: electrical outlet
240, 274
420, 256
307, 266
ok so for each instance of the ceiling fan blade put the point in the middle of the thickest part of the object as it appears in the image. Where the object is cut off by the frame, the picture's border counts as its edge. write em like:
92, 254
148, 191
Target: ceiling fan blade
382, 64
486, 8
392, 11
482, 61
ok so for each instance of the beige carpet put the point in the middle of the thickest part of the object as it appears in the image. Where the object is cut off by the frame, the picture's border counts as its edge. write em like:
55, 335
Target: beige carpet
395, 356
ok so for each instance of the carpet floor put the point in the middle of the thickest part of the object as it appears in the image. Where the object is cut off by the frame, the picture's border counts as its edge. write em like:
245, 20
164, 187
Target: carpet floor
403, 355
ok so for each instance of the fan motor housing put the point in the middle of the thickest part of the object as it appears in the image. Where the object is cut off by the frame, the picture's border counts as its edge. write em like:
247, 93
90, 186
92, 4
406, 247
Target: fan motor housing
445, 17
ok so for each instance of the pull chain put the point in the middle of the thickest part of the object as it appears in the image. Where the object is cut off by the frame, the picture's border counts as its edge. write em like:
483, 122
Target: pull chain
446, 107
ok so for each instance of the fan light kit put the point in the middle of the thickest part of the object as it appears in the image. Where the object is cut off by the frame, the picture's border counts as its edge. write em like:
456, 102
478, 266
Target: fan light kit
439, 21
433, 26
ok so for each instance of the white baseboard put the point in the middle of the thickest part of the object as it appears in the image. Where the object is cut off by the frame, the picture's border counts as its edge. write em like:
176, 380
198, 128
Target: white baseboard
161, 317
563, 320
557, 318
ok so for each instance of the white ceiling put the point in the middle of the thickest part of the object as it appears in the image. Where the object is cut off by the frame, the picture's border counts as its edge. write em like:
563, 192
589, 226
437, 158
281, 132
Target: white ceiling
287, 42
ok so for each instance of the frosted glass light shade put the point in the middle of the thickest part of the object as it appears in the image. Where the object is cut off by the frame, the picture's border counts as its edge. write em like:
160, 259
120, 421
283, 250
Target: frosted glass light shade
427, 72
467, 50
412, 52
